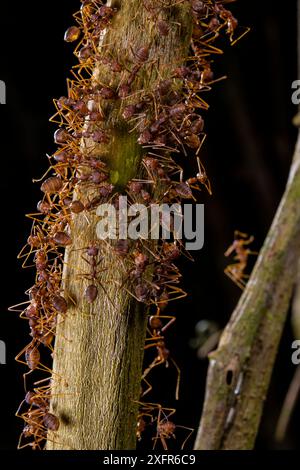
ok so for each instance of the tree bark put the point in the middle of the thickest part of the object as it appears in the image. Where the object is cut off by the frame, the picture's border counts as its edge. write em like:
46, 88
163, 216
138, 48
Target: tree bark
99, 347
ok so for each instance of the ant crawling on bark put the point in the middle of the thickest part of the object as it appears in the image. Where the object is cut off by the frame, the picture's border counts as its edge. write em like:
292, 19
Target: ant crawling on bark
94, 261
37, 422
38, 418
32, 359
142, 287
183, 189
167, 275
236, 271
148, 414
155, 11
145, 411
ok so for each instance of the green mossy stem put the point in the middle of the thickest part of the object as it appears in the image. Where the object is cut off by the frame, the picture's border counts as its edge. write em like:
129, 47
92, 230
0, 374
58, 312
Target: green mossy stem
99, 347
125, 158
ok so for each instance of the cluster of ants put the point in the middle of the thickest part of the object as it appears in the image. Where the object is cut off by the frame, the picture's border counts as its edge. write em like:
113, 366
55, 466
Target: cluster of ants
168, 126
51, 233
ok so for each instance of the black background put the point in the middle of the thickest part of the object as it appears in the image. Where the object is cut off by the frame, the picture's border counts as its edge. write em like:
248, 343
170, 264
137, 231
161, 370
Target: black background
247, 155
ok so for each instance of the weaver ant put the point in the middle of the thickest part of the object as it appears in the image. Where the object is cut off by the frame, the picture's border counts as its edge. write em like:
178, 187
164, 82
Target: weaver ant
200, 178
160, 416
94, 261
163, 357
236, 271
165, 429
32, 359
157, 328
37, 424
230, 21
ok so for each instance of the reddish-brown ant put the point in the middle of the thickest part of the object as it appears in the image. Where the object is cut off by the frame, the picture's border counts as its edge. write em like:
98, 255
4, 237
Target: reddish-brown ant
94, 261
32, 359
200, 178
165, 429
156, 414
72, 34
38, 421
236, 271
157, 328
163, 357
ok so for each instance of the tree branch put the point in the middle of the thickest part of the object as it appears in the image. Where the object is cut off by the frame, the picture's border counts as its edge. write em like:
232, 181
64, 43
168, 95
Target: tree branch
99, 347
240, 369
248, 346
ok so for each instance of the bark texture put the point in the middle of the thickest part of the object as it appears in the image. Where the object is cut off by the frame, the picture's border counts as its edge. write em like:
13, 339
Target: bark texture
99, 347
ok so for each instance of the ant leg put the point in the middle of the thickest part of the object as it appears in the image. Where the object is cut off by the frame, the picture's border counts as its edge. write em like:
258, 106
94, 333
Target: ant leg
132, 295
52, 167
253, 252
147, 389
43, 381
24, 378
19, 408
172, 320
249, 241
168, 4
175, 290
19, 446
162, 440
189, 435
210, 49
171, 411
21, 253
153, 364
13, 307
178, 378
148, 346
180, 143
157, 431
212, 82
106, 293
229, 250
241, 36
234, 278
31, 344
238, 234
